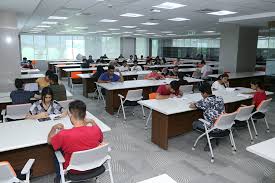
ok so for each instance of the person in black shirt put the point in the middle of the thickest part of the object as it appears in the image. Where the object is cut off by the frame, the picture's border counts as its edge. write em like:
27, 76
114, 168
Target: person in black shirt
20, 96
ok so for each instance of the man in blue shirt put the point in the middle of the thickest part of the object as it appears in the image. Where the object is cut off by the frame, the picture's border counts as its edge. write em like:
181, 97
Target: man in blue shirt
19, 96
110, 76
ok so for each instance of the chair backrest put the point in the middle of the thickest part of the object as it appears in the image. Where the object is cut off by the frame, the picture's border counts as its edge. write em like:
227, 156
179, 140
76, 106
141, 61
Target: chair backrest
7, 173
244, 113
74, 75
225, 121
89, 159
263, 107
31, 87
186, 89
65, 103
18, 111
152, 96
134, 95
140, 77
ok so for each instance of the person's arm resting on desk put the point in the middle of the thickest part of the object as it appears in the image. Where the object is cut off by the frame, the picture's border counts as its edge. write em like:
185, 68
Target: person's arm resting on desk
57, 139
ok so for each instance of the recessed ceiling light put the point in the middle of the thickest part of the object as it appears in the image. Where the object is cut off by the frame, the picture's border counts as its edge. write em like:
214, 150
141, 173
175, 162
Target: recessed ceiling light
49, 23
127, 32
141, 30
155, 10
169, 5
57, 18
107, 34
166, 32
36, 28
101, 31
150, 23
171, 34
137, 34
116, 33
66, 24
113, 29
178, 19
81, 27
150, 33
129, 26
209, 31
222, 13
91, 32
43, 26
131, 15
107, 20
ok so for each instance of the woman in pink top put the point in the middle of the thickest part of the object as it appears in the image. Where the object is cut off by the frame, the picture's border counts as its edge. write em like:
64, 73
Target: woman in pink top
154, 75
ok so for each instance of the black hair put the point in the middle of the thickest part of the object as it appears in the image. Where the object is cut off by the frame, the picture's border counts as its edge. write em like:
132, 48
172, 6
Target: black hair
78, 109
49, 72
176, 66
135, 61
111, 67
203, 62
175, 85
29, 61
223, 76
205, 88
18, 83
258, 83
24, 58
46, 91
100, 69
183, 82
54, 78
124, 61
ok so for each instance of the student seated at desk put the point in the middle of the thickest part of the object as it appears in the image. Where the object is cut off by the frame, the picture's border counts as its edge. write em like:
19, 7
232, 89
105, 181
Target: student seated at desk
167, 91
99, 70
59, 91
20, 96
259, 94
221, 83
110, 76
28, 65
174, 73
136, 67
211, 105
130, 60
46, 106
205, 70
154, 75
83, 136
165, 71
125, 67
44, 82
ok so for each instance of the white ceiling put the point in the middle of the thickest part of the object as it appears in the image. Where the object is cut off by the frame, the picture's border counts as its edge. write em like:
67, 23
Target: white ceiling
32, 12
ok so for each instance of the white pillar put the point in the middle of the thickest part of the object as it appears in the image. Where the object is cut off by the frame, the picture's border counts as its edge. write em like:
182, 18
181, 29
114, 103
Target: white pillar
238, 48
9, 51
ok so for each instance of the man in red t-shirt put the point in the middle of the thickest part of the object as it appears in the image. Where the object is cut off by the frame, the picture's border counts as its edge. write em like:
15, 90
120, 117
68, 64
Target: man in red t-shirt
83, 136
166, 91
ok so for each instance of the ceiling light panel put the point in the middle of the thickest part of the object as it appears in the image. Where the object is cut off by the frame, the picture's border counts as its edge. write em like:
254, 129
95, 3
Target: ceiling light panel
134, 15
169, 5
150, 23
129, 26
101, 31
108, 20
150, 33
43, 26
57, 18
49, 23
222, 13
141, 30
113, 29
81, 27
178, 19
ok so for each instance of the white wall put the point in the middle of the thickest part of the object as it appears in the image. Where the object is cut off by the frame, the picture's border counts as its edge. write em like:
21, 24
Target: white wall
9, 51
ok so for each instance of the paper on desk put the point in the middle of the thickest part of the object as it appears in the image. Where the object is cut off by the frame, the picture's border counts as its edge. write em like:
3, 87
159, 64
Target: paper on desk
244, 95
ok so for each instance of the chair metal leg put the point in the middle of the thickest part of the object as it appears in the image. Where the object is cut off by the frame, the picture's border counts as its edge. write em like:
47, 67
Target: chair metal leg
110, 171
233, 142
148, 119
249, 130
267, 126
118, 111
143, 113
210, 146
253, 124
195, 144
123, 110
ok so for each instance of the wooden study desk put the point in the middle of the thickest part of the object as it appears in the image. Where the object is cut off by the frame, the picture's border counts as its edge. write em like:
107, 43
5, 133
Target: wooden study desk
173, 116
29, 71
264, 149
191, 70
113, 89
51, 64
25, 139
242, 78
59, 69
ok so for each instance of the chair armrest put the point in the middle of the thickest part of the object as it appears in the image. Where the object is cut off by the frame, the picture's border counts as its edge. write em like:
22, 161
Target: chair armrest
3, 112
120, 96
27, 166
204, 121
59, 157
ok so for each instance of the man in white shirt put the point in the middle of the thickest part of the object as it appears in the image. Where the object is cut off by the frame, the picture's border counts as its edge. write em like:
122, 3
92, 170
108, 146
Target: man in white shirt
136, 67
221, 83
124, 67
130, 59
205, 70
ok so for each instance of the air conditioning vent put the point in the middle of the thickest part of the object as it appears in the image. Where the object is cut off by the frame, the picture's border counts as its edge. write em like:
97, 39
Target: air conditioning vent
206, 10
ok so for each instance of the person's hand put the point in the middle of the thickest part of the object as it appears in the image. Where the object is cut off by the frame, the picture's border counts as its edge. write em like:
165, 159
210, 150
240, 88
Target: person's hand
43, 115
192, 105
58, 126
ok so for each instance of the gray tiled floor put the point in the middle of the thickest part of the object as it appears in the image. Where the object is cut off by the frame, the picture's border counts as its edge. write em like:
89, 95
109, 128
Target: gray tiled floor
135, 158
